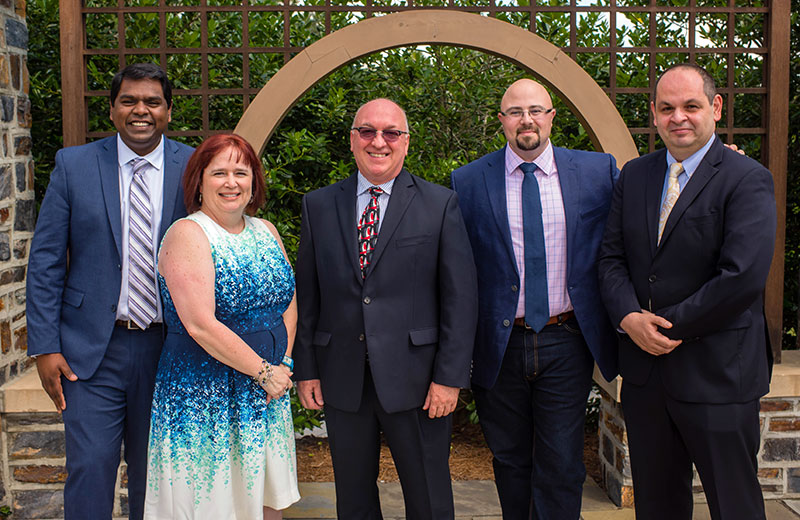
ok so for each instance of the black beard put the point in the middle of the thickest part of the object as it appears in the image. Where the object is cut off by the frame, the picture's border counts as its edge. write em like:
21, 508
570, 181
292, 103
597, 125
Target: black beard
528, 143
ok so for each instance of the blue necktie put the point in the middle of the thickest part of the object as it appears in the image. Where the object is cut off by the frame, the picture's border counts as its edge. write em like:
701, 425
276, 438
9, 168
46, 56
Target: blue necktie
537, 309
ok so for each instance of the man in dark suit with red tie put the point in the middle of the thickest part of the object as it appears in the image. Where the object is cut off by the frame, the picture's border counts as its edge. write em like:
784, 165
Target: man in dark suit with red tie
386, 289
683, 266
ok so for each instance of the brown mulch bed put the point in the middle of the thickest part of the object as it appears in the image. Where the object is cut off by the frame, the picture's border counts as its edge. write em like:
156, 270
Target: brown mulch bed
470, 459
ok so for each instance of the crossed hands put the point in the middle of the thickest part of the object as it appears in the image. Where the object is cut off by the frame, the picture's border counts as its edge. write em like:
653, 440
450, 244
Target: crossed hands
279, 383
642, 327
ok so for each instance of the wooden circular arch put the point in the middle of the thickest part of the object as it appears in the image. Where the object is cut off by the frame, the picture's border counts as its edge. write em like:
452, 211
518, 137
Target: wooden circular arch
577, 89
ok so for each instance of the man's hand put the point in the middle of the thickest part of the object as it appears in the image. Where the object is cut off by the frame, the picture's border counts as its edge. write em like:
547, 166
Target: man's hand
734, 148
51, 367
310, 394
642, 327
441, 400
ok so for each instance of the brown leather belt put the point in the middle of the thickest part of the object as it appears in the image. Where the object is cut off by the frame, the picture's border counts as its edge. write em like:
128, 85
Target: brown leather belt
561, 318
130, 325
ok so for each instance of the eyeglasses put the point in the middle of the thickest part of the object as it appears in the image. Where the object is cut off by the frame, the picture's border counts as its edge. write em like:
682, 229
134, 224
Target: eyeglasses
534, 112
368, 134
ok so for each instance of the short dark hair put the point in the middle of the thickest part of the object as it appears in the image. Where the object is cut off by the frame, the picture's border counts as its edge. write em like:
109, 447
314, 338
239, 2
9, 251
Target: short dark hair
709, 86
203, 156
142, 71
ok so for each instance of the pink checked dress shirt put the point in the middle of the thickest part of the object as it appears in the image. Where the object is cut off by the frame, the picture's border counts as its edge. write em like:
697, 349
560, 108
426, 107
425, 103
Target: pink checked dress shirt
555, 227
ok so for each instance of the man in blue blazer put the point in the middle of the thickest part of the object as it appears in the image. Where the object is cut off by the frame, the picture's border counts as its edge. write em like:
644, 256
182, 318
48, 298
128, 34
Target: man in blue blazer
541, 321
683, 266
95, 352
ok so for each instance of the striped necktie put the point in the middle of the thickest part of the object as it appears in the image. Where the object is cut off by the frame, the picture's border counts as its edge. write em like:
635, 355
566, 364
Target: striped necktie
671, 197
141, 264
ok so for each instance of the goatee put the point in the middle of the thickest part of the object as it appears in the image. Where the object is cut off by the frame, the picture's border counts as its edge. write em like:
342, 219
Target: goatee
528, 142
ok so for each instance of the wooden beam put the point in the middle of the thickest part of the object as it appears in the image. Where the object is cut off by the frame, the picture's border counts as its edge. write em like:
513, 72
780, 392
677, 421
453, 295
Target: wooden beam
777, 158
73, 73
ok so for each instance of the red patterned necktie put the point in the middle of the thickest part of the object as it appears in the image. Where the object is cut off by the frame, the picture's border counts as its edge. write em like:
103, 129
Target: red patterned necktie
368, 230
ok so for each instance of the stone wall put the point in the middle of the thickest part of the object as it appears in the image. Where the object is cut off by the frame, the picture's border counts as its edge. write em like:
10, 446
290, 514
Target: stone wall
17, 205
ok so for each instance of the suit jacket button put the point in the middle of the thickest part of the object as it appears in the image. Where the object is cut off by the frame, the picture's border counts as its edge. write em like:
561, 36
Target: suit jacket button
514, 288
367, 300
114, 308
506, 323
360, 337
652, 278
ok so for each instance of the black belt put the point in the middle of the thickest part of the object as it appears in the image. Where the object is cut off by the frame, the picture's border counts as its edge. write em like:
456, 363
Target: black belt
130, 325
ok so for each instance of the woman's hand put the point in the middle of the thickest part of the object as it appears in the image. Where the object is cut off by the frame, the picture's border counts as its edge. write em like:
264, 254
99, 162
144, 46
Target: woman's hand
279, 383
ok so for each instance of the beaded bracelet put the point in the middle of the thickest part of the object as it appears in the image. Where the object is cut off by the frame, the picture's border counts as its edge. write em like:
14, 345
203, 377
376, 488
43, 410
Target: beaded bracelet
264, 375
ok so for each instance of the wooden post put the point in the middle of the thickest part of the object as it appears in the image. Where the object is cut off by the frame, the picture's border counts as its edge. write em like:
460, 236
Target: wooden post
777, 158
73, 72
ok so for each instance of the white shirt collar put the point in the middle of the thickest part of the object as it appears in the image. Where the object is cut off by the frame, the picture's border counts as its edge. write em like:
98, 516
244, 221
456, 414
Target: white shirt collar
125, 154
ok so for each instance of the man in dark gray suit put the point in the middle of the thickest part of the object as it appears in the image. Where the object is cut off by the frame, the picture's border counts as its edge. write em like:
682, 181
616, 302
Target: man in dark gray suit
386, 290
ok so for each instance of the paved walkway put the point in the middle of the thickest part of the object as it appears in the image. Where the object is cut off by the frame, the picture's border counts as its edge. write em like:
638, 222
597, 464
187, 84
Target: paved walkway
477, 500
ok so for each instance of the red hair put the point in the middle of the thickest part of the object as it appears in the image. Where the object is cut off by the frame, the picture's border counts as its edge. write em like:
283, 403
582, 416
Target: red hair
203, 156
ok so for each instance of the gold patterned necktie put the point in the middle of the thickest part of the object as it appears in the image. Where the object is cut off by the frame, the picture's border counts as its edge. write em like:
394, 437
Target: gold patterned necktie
673, 192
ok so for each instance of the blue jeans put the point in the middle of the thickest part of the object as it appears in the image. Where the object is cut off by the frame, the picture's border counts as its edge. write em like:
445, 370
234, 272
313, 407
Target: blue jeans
533, 421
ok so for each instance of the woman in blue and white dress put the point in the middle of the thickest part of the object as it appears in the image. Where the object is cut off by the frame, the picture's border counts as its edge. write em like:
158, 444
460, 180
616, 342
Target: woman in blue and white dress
221, 435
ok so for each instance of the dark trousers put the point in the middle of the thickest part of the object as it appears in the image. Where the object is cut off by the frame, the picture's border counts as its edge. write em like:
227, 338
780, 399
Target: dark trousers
666, 436
533, 421
103, 412
420, 448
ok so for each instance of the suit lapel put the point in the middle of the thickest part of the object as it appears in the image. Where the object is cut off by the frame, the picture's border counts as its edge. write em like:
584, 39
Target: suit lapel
172, 177
704, 172
346, 210
656, 171
494, 175
569, 179
403, 190
109, 179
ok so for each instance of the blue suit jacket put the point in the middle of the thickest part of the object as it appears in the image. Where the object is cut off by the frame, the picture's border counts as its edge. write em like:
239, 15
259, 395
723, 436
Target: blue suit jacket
587, 180
75, 268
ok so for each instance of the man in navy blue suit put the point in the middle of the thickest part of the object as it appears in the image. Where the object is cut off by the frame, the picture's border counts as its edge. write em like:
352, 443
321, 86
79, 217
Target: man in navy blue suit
535, 215
683, 266
95, 352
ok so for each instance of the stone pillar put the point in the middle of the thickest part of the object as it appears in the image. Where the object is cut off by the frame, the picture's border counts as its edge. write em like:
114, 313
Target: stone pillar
17, 205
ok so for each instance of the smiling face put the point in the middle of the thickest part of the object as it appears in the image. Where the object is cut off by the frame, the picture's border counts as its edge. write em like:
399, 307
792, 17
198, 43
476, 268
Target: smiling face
682, 113
377, 160
140, 114
527, 135
226, 185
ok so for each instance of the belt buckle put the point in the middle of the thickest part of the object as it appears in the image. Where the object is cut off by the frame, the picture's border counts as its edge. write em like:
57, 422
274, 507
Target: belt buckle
133, 326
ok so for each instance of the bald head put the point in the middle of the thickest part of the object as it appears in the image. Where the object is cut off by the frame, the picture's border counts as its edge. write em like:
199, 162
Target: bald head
384, 104
527, 134
525, 89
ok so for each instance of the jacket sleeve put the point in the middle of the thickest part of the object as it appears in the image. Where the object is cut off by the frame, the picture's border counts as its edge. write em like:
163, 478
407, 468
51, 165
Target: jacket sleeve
616, 287
458, 306
47, 265
308, 301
